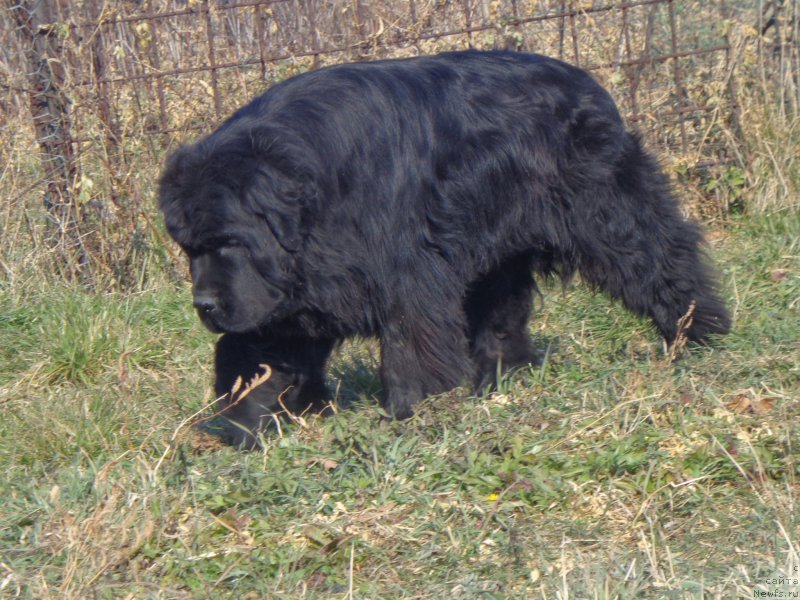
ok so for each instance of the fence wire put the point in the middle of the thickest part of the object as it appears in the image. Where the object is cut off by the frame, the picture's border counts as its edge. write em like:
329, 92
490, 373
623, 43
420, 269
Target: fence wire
111, 86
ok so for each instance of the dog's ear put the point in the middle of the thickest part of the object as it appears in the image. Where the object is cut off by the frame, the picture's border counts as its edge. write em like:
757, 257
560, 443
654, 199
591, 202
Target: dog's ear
173, 178
281, 201
280, 189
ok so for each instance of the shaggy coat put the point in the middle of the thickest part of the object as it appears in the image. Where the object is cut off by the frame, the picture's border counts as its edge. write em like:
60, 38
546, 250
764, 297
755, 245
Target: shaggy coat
416, 200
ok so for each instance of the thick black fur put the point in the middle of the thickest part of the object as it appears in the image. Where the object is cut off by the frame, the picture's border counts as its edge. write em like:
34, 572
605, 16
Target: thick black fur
415, 200
296, 381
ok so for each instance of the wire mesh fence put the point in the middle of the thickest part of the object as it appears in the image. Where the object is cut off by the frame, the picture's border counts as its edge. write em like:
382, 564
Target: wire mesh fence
97, 91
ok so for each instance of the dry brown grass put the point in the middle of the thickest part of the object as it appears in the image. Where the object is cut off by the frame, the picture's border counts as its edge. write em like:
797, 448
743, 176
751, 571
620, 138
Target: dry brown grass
608, 473
737, 110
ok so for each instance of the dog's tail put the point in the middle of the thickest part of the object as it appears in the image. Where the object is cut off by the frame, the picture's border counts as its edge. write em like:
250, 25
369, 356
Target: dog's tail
631, 241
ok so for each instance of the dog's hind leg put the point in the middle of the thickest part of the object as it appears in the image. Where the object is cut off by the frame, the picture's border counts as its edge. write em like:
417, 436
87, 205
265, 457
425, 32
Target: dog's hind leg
498, 307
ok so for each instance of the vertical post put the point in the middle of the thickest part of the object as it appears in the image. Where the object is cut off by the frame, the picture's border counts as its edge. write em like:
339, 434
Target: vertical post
212, 58
679, 90
574, 30
729, 68
112, 146
361, 29
648, 53
514, 40
468, 21
633, 78
261, 35
98, 53
38, 25
155, 65
312, 26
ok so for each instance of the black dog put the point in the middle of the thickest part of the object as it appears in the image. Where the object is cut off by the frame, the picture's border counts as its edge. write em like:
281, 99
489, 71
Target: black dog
412, 200
295, 381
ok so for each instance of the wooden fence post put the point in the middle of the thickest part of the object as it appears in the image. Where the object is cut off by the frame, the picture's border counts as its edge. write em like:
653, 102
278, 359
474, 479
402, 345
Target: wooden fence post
42, 27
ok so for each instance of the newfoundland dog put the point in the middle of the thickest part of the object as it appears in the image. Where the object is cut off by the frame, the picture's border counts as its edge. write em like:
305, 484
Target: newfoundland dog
414, 201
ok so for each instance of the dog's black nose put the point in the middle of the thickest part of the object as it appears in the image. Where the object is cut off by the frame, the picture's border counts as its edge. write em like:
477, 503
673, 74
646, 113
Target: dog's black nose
205, 305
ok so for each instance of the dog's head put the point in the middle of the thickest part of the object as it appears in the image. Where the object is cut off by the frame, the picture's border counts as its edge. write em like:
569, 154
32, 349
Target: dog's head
235, 205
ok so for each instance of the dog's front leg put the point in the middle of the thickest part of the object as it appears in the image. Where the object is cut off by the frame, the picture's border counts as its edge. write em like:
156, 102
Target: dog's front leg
422, 356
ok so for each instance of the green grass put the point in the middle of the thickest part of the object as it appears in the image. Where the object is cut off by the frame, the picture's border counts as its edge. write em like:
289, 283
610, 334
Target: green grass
605, 473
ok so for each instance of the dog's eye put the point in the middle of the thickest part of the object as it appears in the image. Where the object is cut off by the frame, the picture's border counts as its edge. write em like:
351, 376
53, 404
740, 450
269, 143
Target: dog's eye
226, 241
228, 249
